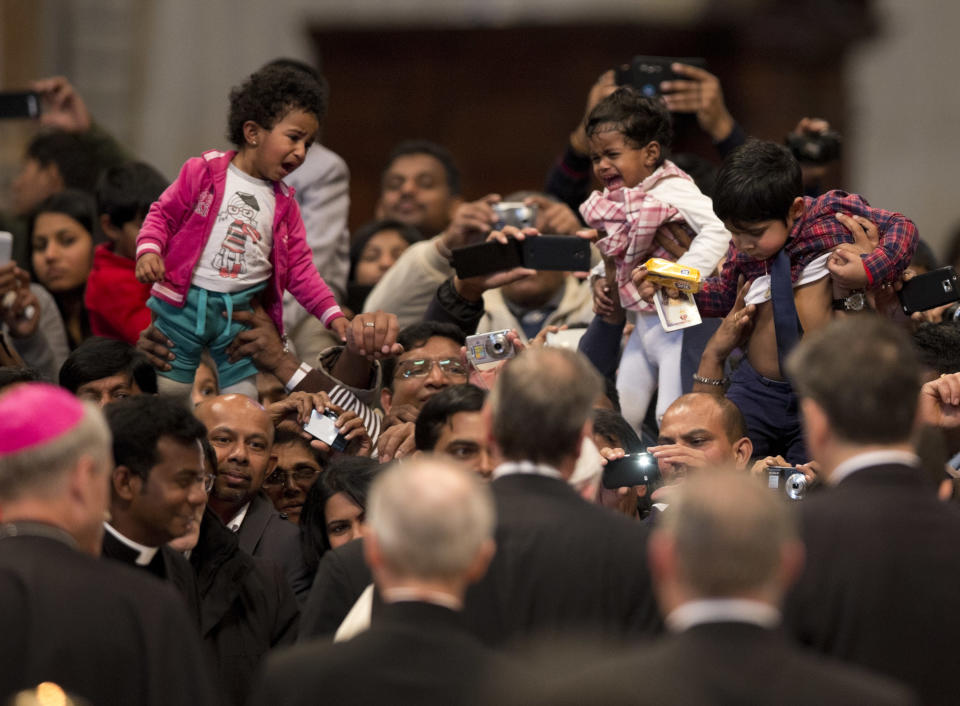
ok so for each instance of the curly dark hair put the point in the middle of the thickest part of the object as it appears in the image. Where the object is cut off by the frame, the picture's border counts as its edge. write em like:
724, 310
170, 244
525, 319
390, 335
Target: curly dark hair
269, 94
639, 118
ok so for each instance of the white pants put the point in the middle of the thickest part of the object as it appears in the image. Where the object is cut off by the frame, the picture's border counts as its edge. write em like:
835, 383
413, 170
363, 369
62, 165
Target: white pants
651, 359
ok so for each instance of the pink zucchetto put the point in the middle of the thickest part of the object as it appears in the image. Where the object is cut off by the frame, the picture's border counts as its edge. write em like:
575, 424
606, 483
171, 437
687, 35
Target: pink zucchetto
34, 413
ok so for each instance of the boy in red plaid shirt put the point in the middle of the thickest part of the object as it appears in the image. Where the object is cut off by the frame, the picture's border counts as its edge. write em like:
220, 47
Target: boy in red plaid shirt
758, 198
628, 134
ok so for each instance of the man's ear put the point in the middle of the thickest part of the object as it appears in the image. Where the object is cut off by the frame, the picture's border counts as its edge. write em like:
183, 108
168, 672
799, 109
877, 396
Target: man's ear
125, 483
742, 451
651, 154
481, 562
816, 426
661, 557
371, 551
386, 399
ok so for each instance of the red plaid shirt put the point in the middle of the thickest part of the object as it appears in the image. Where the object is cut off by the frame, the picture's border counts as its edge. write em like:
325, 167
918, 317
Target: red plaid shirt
631, 218
816, 232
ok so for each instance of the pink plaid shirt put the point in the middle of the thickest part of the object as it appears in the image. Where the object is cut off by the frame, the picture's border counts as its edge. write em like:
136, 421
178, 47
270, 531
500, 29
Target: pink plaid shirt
631, 218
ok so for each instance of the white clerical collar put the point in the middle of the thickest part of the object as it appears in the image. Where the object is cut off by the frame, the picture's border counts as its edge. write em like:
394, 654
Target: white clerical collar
234, 524
144, 554
872, 458
526, 467
402, 594
723, 610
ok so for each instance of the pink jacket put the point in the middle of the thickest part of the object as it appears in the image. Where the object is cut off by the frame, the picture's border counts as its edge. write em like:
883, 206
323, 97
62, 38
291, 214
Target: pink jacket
180, 221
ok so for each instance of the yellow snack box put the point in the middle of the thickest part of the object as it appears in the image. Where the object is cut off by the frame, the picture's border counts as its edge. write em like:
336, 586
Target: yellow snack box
670, 274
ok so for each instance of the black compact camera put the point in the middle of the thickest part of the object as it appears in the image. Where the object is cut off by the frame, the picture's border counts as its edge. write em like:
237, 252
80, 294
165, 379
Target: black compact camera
815, 147
631, 470
789, 480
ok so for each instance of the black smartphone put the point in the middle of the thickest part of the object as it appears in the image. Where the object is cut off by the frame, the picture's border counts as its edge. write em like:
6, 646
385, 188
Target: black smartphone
542, 252
633, 469
486, 258
645, 73
19, 104
930, 290
556, 252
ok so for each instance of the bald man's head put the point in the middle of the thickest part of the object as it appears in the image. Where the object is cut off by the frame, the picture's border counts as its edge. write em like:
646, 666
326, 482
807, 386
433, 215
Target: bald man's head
241, 433
709, 423
726, 535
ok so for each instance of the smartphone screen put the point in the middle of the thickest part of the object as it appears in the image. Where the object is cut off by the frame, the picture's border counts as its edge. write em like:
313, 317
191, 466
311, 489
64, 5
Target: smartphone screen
321, 427
6, 247
631, 470
19, 104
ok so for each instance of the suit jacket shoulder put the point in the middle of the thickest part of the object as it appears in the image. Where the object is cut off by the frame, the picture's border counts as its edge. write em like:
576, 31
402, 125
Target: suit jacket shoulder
413, 653
719, 664
266, 535
127, 635
561, 564
341, 577
892, 523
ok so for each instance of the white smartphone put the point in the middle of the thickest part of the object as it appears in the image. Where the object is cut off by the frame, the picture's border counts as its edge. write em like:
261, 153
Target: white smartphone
6, 247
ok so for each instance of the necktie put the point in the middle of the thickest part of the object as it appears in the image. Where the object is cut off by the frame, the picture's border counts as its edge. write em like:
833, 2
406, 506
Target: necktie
786, 324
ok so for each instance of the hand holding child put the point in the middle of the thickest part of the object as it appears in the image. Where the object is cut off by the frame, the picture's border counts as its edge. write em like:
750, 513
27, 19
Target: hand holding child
845, 262
149, 268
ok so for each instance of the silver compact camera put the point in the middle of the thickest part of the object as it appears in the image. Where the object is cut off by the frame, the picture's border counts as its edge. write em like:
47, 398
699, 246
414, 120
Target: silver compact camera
788, 479
514, 213
489, 347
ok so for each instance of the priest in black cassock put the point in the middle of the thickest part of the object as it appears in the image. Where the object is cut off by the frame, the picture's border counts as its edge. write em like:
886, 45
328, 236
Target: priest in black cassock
100, 630
158, 486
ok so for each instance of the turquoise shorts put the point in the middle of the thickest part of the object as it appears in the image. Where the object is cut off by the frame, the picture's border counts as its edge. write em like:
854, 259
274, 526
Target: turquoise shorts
200, 324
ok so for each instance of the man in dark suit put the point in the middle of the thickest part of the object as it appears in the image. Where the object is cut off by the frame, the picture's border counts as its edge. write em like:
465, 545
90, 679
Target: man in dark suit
721, 558
430, 536
880, 587
563, 564
241, 433
158, 485
100, 630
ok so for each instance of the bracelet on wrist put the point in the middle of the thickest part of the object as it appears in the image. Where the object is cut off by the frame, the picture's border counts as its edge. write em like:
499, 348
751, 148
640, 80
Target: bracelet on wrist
715, 382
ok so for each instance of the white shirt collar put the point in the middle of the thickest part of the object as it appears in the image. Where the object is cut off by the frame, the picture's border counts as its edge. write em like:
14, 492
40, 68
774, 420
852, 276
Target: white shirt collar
526, 467
872, 458
234, 524
401, 594
723, 610
144, 554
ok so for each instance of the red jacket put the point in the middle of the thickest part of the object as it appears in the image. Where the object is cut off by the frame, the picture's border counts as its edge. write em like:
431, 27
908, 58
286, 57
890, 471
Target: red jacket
115, 300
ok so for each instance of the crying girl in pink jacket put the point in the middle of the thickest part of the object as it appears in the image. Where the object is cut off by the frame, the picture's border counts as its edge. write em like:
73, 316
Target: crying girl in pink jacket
228, 229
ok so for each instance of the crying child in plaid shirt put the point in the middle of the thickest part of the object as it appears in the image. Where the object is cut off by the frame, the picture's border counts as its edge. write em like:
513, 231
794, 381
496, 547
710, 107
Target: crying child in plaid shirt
644, 196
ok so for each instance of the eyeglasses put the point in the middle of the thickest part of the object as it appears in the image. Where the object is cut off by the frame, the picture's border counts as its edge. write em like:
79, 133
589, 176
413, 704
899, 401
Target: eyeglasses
421, 367
299, 475
206, 480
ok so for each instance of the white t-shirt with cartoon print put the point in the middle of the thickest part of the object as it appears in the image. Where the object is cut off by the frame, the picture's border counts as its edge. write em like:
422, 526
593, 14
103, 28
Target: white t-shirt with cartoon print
237, 253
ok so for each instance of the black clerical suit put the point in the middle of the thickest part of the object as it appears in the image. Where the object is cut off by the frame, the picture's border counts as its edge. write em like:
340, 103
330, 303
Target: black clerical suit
414, 653
719, 664
246, 608
880, 587
562, 565
266, 535
101, 630
167, 565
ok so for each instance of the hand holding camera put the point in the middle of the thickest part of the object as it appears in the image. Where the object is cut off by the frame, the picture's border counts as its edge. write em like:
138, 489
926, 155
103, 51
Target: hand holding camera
470, 224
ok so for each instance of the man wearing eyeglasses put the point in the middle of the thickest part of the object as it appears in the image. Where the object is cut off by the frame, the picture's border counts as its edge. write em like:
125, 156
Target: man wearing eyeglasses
430, 363
157, 485
296, 470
